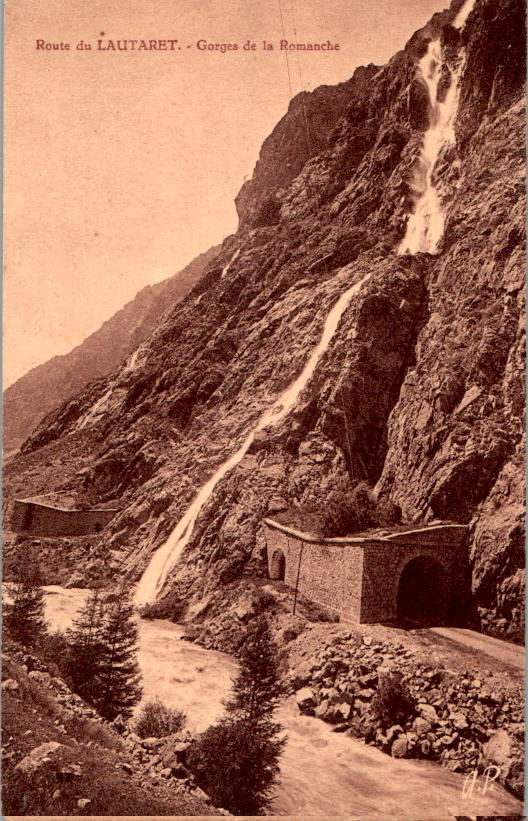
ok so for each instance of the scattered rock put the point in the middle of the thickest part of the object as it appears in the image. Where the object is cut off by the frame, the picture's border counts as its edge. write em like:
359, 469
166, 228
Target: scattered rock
322, 709
40, 676
400, 747
393, 732
306, 700
459, 721
151, 742
517, 730
69, 772
498, 749
199, 793
428, 712
38, 757
421, 726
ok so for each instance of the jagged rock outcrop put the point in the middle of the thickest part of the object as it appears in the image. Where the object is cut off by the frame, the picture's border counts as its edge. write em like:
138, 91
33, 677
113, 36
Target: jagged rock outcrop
419, 391
300, 135
48, 385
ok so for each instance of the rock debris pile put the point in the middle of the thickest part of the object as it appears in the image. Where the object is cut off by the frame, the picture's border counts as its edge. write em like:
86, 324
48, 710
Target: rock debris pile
463, 720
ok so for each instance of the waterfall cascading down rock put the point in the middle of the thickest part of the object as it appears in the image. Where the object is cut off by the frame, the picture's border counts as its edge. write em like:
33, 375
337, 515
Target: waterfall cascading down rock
425, 226
226, 268
166, 556
424, 231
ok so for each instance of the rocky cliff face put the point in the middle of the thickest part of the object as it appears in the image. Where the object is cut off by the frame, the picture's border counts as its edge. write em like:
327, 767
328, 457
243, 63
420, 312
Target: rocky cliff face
419, 391
47, 386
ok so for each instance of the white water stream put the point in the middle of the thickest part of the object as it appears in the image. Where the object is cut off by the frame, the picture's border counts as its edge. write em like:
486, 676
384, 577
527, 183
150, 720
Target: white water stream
425, 226
131, 362
168, 554
322, 773
226, 268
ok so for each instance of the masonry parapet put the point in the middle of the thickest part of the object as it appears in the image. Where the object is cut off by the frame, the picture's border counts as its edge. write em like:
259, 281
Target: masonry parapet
38, 519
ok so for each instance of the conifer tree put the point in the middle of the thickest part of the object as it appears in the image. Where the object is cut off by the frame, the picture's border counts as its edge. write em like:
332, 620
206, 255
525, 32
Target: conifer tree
257, 687
24, 619
118, 676
237, 760
85, 648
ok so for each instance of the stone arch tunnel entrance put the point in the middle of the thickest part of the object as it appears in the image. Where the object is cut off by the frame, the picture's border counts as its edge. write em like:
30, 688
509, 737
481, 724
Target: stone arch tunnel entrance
277, 565
423, 593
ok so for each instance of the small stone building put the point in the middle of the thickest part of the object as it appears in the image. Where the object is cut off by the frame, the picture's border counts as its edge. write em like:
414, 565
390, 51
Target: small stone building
37, 519
415, 575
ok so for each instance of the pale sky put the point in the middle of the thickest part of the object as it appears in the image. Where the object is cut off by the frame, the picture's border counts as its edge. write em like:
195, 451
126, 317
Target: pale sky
121, 167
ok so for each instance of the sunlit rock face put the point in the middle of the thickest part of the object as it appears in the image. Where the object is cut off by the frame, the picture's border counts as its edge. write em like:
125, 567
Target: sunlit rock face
418, 390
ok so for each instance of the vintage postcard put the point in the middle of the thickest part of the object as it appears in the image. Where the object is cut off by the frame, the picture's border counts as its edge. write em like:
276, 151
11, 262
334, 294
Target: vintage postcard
263, 478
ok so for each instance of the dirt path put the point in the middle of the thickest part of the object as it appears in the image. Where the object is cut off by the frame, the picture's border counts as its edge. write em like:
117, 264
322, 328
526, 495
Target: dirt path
503, 651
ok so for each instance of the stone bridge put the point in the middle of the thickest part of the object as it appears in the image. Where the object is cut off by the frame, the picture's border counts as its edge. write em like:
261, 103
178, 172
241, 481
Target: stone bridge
416, 575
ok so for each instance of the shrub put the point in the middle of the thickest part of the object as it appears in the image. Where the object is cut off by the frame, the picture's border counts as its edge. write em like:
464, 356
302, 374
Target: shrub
350, 511
155, 719
86, 730
263, 600
290, 634
392, 704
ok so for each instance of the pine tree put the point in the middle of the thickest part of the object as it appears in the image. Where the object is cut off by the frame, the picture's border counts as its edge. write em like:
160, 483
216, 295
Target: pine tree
236, 760
85, 648
24, 619
257, 687
118, 676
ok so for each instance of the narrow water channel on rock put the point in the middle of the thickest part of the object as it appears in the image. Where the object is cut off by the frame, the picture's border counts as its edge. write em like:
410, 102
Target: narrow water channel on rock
322, 772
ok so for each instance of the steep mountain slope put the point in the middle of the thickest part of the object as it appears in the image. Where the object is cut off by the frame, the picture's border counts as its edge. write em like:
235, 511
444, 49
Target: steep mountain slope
418, 389
47, 386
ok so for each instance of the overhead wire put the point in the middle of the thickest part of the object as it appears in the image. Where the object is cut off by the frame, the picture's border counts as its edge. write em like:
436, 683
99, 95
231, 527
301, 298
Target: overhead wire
301, 83
286, 50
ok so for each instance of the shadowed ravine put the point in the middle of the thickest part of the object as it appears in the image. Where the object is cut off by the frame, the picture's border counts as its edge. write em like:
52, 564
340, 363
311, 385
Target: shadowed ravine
322, 772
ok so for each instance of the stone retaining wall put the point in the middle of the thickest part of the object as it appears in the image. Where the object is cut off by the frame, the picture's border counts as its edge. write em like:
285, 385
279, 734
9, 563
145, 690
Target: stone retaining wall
37, 519
359, 577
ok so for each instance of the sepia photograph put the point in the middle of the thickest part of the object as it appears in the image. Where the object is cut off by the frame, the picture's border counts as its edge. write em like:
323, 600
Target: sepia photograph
263, 409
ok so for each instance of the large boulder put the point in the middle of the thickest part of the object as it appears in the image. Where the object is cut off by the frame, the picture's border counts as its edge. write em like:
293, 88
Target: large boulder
400, 747
498, 750
428, 712
39, 757
306, 700
175, 754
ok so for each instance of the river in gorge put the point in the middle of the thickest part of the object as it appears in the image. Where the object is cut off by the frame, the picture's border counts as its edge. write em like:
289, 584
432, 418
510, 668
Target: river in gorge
322, 773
